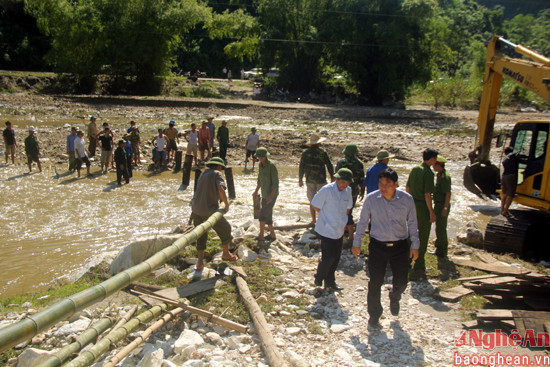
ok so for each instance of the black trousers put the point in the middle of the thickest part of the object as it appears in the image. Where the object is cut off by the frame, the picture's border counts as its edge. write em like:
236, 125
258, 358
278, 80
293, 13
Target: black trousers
380, 254
223, 150
129, 165
120, 173
330, 257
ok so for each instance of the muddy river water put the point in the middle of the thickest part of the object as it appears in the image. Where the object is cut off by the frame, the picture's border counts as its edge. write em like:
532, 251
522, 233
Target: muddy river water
51, 223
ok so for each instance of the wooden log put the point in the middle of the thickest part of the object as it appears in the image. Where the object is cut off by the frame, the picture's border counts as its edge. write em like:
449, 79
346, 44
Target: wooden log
190, 289
230, 182
454, 293
494, 315
188, 163
467, 279
271, 351
292, 227
208, 315
491, 268
179, 155
142, 338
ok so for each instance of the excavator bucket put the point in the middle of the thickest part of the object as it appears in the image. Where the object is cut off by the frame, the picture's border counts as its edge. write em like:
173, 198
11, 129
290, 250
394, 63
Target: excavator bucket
482, 179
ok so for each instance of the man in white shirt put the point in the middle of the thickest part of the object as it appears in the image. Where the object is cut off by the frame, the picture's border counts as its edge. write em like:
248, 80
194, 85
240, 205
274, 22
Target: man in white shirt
81, 153
251, 145
162, 142
192, 137
333, 202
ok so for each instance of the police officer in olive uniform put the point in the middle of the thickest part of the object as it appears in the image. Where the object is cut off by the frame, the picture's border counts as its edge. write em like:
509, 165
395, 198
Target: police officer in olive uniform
421, 186
442, 206
312, 165
351, 162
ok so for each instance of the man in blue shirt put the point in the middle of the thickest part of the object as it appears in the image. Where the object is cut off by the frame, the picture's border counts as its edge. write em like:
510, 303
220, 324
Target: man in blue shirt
371, 179
333, 202
70, 149
392, 216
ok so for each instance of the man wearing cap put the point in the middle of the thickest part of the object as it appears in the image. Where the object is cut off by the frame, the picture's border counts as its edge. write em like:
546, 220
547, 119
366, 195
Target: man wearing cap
371, 179
172, 135
223, 139
204, 141
135, 139
351, 162
268, 181
9, 142
132, 126
392, 216
251, 145
421, 186
442, 205
81, 153
212, 131
32, 150
210, 191
106, 140
312, 164
333, 202
121, 164
92, 136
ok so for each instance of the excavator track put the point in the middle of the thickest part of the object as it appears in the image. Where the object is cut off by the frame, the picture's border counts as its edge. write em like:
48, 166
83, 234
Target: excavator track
524, 234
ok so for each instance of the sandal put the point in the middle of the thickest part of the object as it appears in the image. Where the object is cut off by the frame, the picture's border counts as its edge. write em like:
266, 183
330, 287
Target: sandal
231, 258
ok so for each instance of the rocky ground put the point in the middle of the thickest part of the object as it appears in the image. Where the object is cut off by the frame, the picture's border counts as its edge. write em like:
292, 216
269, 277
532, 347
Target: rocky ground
329, 329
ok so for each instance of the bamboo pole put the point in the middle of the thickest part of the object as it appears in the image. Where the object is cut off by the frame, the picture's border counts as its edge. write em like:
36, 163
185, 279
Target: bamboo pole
31, 325
126, 317
208, 315
271, 351
82, 340
142, 338
90, 355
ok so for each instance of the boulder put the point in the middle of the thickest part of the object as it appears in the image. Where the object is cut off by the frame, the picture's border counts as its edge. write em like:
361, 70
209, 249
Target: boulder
140, 250
186, 339
154, 359
32, 357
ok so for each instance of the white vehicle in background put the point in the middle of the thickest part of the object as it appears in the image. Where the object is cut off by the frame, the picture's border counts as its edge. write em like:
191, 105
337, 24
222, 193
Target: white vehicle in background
258, 73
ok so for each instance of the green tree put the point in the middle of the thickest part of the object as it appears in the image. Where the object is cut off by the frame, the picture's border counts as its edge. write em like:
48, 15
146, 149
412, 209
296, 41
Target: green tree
385, 45
117, 37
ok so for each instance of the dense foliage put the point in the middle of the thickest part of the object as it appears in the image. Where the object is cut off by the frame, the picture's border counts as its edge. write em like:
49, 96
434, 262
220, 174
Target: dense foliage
378, 48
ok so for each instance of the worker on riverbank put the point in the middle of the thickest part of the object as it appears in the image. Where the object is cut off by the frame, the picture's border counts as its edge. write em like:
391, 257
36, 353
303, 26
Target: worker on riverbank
92, 136
210, 191
70, 149
223, 140
442, 206
204, 141
32, 150
9, 142
160, 142
121, 164
312, 164
212, 132
268, 181
333, 202
354, 164
192, 137
106, 139
371, 179
392, 216
251, 145
81, 153
135, 139
172, 135
510, 166
129, 153
421, 186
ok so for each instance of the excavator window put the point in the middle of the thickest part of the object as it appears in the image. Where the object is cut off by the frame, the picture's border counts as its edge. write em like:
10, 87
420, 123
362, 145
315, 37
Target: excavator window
531, 140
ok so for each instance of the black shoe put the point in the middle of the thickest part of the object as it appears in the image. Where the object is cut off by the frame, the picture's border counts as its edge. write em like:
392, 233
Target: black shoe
394, 307
374, 324
334, 287
318, 282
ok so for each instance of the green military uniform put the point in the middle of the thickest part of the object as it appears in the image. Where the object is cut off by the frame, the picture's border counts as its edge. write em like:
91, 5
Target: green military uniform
358, 170
420, 182
268, 179
312, 164
442, 187
31, 148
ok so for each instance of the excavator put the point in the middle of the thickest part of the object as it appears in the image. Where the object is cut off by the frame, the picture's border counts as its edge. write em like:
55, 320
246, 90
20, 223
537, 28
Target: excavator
527, 232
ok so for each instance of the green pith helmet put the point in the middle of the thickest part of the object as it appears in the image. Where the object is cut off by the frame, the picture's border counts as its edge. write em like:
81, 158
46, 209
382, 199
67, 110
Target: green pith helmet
350, 149
216, 161
262, 153
344, 174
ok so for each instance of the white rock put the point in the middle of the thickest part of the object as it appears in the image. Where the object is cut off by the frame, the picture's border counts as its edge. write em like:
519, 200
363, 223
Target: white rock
343, 355
32, 357
245, 349
231, 342
214, 338
167, 363
152, 360
339, 328
295, 359
187, 338
293, 330
73, 328
193, 363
